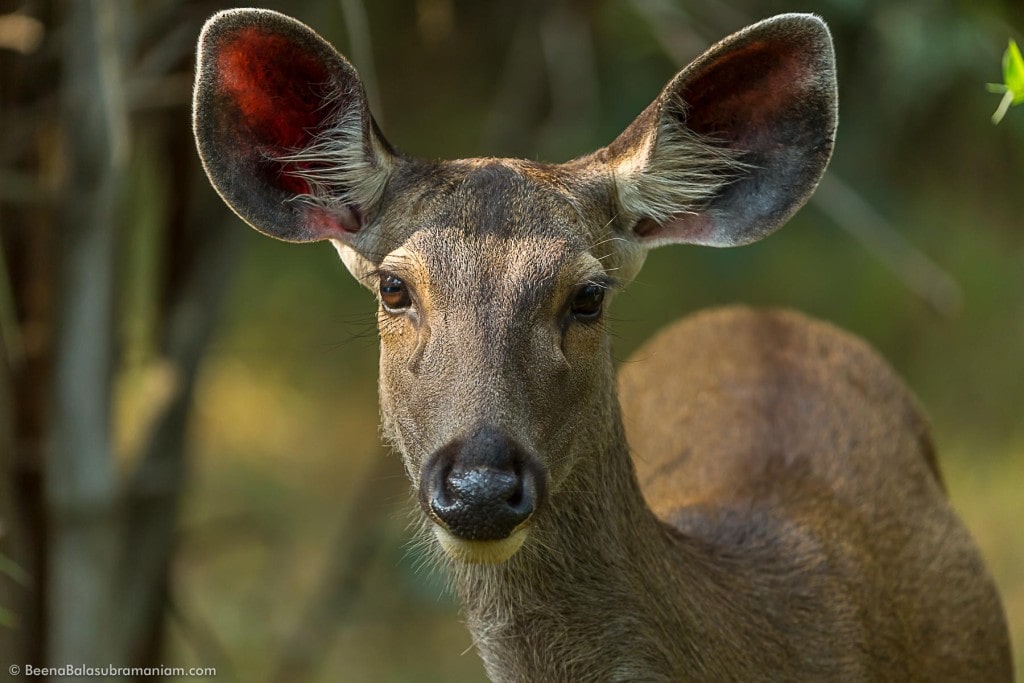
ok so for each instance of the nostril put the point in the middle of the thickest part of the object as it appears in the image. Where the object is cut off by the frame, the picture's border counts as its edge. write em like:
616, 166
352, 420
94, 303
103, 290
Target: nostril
516, 498
442, 488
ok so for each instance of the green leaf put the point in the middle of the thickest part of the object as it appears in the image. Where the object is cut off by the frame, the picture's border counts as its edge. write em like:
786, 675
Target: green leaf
1013, 75
1013, 72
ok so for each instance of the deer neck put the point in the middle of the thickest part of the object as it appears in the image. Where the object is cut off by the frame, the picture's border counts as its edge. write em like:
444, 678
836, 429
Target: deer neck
596, 587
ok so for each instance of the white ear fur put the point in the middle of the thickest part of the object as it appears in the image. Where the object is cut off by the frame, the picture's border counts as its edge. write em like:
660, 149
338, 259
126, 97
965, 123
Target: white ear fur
337, 167
675, 173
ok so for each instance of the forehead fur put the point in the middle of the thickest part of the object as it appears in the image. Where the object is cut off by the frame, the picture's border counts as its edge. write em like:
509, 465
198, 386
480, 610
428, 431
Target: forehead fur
507, 197
520, 209
503, 198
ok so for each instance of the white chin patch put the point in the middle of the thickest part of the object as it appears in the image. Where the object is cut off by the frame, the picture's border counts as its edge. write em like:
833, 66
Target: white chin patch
480, 552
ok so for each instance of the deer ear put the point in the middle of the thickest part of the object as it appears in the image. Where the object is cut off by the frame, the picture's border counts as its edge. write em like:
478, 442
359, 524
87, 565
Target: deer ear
736, 142
283, 128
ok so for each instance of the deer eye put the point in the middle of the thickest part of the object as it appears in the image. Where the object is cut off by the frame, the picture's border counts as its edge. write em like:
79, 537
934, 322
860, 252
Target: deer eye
586, 304
393, 293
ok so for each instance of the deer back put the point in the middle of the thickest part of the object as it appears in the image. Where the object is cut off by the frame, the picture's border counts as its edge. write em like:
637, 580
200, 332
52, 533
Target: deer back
786, 443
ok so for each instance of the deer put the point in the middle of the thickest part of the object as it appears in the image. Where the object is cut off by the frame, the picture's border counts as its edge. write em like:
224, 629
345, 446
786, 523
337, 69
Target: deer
756, 497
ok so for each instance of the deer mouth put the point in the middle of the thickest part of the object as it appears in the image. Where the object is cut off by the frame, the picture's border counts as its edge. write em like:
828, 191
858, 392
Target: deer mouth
480, 552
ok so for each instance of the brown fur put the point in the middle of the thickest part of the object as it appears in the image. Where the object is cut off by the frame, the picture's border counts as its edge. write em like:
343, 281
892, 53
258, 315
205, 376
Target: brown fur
785, 518
819, 448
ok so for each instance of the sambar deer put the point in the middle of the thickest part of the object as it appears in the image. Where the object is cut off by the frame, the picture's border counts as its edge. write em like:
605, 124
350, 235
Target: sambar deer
784, 517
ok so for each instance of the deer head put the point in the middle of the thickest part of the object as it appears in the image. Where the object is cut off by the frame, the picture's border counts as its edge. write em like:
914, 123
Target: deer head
493, 275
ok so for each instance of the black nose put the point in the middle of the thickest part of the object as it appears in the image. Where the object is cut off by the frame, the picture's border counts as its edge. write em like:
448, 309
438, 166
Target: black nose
483, 486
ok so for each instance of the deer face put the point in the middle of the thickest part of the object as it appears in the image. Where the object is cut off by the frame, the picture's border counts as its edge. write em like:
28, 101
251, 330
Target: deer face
494, 353
493, 276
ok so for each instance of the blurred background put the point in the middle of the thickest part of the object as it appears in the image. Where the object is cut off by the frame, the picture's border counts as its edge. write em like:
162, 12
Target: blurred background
191, 471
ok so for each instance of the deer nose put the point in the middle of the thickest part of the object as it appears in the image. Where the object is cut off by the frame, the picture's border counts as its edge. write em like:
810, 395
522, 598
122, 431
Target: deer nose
482, 487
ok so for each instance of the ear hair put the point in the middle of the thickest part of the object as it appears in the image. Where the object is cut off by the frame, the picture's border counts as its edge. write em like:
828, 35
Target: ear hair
681, 172
341, 166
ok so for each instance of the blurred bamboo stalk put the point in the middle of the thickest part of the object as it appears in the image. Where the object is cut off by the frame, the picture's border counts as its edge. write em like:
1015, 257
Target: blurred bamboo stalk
854, 214
81, 485
672, 27
10, 334
200, 256
112, 537
571, 66
519, 91
14, 587
357, 29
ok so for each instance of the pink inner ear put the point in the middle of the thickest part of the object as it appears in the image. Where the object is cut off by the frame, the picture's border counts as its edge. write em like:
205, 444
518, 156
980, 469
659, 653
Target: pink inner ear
274, 82
744, 91
689, 228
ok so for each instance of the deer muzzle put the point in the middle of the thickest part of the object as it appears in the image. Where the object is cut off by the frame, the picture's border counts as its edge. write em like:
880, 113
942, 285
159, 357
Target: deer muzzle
481, 491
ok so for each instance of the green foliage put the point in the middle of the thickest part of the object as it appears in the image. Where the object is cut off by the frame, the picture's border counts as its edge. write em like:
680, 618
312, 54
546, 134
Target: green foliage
1012, 86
